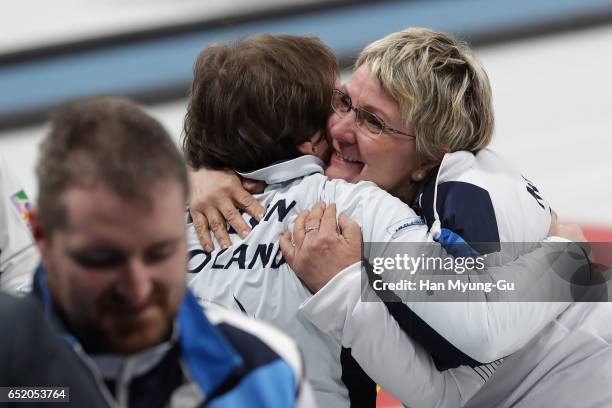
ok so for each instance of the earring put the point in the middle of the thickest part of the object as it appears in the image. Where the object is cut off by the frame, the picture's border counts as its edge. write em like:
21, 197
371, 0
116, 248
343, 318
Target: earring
314, 149
419, 176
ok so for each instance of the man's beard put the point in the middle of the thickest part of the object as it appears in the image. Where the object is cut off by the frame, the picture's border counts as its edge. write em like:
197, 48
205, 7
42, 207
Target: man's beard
115, 328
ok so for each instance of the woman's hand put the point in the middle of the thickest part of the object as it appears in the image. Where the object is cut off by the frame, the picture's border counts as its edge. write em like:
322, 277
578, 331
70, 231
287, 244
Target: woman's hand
216, 197
319, 248
571, 232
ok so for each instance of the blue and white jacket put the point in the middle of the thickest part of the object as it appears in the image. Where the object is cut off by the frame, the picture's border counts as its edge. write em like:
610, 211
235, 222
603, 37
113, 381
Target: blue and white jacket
430, 353
215, 358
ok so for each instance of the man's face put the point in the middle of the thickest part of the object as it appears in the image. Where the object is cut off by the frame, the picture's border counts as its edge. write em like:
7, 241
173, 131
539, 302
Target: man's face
388, 159
116, 272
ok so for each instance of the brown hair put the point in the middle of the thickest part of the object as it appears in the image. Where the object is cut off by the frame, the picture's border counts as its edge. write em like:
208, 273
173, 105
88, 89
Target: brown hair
252, 102
103, 140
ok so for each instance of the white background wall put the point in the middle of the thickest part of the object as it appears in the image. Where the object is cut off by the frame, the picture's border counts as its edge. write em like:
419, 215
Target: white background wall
552, 98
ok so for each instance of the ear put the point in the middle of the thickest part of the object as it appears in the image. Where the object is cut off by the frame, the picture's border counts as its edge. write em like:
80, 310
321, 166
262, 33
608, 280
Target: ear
420, 172
37, 231
305, 148
309, 146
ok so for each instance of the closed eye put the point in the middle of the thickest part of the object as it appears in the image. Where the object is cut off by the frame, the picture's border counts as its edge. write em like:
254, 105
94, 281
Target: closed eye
160, 252
97, 259
373, 121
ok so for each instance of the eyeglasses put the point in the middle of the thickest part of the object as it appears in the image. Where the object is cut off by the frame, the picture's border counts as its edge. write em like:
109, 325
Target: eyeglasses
369, 123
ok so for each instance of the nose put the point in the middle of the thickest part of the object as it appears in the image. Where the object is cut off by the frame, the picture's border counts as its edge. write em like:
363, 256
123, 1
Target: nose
342, 128
136, 285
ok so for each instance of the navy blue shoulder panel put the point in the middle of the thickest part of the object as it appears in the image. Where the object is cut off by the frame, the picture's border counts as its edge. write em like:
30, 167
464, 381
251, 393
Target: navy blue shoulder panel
361, 388
254, 352
445, 355
466, 210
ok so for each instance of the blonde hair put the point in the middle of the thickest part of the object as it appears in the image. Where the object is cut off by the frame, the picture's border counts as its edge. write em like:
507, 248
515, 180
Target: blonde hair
441, 89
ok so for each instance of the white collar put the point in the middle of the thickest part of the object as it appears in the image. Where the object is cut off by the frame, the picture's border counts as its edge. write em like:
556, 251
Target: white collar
287, 170
114, 366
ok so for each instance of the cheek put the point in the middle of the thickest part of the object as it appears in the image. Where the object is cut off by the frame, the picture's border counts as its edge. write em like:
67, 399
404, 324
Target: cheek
86, 287
171, 274
387, 163
76, 291
334, 127
376, 154
396, 153
330, 122
323, 150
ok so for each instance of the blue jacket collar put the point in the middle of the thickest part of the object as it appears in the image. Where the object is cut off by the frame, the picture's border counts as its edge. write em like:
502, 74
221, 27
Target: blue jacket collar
209, 356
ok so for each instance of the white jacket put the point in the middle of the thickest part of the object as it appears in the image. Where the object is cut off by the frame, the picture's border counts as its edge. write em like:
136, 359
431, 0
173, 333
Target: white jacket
252, 276
18, 254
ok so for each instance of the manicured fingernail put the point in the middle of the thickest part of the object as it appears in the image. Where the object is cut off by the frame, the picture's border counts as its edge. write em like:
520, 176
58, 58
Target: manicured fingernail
207, 248
244, 233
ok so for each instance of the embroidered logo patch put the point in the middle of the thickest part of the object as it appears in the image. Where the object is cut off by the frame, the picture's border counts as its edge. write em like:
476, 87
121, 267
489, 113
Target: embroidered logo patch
23, 205
405, 224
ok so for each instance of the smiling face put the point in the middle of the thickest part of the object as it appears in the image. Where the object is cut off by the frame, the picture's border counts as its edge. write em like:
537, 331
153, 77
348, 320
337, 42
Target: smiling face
116, 271
389, 160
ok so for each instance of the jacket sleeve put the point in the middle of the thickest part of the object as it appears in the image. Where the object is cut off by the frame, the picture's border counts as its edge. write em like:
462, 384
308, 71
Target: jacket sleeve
305, 397
474, 328
401, 366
